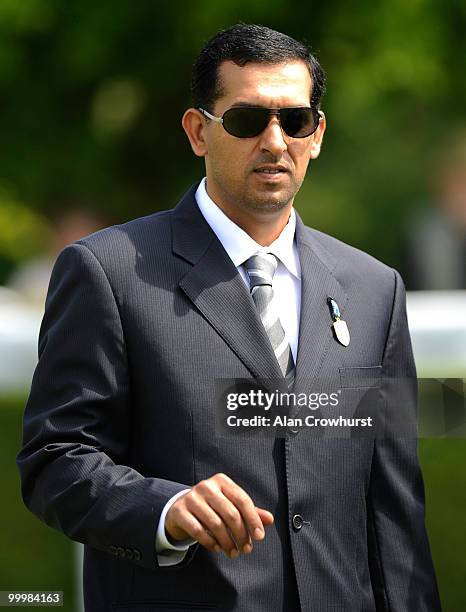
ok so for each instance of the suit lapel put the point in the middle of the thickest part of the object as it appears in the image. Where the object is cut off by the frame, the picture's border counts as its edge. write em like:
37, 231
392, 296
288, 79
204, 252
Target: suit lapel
318, 281
216, 289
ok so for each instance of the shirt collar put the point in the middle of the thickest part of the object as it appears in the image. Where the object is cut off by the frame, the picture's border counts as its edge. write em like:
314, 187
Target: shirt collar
238, 244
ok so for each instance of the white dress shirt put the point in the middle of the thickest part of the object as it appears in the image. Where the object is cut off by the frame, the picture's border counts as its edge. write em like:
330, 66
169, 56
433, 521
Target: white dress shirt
287, 294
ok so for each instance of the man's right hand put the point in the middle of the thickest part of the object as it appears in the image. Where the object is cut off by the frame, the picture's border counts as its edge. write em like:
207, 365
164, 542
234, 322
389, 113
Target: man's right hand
220, 515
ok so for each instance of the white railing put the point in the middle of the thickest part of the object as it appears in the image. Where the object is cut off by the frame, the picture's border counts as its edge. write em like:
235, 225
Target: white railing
437, 322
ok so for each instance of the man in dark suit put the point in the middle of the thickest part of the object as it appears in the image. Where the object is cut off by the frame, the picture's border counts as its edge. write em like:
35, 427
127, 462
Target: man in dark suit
121, 450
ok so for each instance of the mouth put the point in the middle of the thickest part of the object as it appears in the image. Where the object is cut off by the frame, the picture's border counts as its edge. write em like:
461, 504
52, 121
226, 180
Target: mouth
270, 172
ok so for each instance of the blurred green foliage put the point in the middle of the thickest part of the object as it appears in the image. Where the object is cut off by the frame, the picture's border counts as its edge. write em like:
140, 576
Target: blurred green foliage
92, 96
33, 556
23, 232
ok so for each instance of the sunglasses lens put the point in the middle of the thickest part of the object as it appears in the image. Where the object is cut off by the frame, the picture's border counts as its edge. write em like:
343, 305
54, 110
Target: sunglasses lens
298, 122
245, 122
250, 122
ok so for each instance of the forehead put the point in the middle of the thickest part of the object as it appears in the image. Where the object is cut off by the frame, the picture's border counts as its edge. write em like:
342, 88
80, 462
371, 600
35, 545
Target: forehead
271, 85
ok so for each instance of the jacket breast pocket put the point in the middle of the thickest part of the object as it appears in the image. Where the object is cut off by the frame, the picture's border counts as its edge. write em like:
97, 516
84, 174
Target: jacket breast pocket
360, 377
360, 396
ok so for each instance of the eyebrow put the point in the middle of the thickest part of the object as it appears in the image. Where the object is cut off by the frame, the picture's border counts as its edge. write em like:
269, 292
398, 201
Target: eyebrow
246, 104
241, 104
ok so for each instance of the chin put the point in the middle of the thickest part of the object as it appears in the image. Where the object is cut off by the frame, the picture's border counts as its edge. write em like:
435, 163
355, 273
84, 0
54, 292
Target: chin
267, 202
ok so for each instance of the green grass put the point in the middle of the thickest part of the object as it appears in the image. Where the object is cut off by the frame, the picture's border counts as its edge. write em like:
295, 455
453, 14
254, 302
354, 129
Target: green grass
443, 463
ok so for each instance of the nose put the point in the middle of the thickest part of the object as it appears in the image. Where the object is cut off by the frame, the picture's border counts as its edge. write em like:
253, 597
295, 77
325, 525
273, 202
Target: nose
272, 139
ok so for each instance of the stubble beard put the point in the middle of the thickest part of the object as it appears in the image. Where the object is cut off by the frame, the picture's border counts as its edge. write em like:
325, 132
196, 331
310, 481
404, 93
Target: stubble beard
268, 204
265, 205
254, 201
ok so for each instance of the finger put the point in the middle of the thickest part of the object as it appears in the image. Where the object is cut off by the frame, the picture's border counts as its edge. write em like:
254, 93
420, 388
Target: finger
197, 531
214, 523
265, 516
211, 491
241, 500
233, 521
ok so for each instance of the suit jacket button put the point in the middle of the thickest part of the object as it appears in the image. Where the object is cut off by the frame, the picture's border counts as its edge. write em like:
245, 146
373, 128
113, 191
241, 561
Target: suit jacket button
137, 554
121, 552
129, 553
297, 522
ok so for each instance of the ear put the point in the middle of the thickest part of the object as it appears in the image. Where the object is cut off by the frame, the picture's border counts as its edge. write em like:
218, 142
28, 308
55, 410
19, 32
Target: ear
317, 137
194, 125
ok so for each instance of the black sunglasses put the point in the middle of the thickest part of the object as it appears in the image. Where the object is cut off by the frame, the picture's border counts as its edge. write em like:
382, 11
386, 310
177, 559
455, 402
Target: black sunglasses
250, 121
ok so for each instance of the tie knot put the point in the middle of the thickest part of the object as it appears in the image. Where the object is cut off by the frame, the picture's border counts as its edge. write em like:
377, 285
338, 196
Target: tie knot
261, 268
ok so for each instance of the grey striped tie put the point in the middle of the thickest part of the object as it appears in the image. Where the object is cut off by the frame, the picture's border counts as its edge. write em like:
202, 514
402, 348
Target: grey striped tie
260, 269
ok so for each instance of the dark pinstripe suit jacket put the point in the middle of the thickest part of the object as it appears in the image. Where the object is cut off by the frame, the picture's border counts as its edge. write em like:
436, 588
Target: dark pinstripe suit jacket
140, 320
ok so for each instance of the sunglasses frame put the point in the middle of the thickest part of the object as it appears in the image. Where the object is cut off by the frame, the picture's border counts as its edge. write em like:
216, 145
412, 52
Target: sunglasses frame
272, 112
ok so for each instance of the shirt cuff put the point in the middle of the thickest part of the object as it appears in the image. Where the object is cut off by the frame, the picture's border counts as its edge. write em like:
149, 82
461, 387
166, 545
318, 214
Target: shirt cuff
167, 552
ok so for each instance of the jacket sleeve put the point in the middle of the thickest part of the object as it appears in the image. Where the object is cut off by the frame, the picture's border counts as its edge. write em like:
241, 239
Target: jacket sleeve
77, 421
402, 573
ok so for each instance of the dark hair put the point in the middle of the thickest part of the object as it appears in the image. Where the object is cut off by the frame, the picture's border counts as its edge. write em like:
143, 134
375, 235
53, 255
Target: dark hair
244, 43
